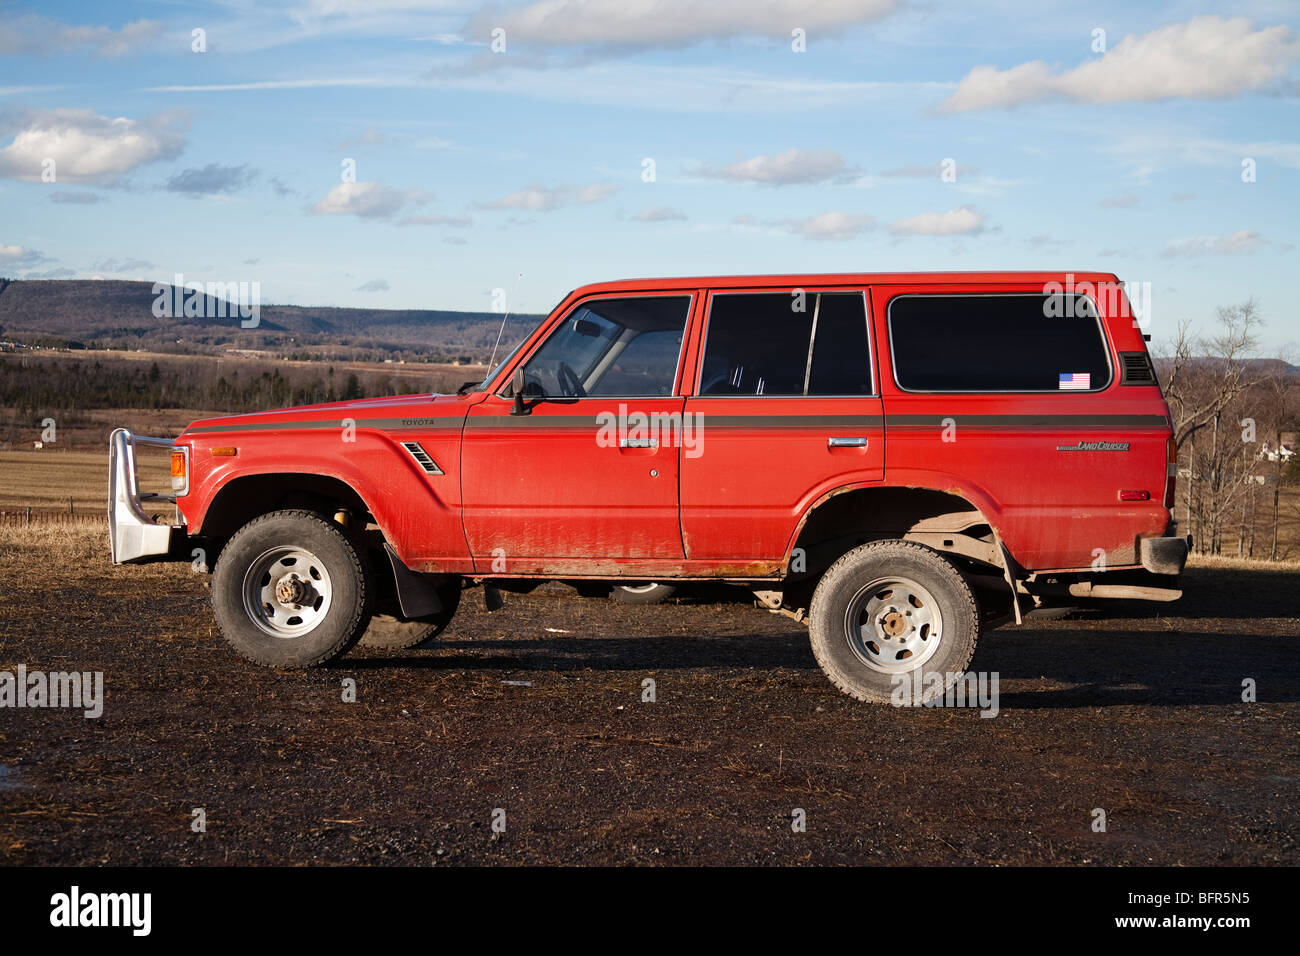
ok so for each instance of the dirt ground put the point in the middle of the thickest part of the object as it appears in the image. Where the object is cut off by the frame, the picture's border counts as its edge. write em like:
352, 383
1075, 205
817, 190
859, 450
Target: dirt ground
537, 710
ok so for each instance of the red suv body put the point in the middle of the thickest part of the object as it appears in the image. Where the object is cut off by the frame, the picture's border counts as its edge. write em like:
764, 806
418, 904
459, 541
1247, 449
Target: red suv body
750, 429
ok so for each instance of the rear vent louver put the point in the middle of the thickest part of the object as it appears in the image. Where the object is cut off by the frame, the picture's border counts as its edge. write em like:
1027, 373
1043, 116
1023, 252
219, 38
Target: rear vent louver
422, 458
1135, 369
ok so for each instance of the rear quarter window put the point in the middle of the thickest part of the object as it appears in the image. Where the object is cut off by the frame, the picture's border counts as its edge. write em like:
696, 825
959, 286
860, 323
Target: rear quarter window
997, 343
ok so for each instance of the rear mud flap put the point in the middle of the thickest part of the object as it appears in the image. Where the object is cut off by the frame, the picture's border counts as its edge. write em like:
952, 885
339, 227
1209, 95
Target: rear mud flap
1011, 581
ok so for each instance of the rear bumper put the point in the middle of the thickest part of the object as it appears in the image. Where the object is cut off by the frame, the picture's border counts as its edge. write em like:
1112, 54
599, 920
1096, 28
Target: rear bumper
133, 535
1163, 555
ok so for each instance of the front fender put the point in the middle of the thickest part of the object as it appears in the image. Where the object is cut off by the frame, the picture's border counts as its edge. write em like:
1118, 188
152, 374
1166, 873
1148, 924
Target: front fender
418, 514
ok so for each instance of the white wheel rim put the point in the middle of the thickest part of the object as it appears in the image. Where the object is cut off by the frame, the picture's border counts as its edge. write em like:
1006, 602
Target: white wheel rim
893, 625
287, 592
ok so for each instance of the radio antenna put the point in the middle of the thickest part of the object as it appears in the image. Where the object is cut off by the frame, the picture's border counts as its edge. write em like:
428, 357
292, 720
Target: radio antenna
492, 362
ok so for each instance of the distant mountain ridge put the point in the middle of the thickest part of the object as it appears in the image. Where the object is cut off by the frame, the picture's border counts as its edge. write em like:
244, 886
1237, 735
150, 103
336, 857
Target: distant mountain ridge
120, 314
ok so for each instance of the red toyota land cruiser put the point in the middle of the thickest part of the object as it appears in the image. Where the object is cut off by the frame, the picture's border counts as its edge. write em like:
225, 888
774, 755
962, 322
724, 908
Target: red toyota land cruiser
899, 460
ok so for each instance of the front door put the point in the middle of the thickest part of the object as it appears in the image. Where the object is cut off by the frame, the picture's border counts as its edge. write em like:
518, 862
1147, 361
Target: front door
586, 481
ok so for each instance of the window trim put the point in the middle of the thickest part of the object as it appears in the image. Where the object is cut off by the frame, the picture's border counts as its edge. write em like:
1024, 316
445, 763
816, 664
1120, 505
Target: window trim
523, 360
786, 290
893, 356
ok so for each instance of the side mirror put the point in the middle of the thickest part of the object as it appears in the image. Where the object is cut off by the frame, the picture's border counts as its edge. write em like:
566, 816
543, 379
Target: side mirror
517, 390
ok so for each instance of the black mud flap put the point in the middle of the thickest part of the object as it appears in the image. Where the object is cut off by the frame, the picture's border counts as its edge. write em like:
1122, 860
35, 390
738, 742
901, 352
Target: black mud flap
416, 595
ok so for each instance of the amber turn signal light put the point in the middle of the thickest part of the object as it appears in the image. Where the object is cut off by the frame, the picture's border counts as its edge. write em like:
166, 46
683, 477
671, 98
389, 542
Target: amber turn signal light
225, 451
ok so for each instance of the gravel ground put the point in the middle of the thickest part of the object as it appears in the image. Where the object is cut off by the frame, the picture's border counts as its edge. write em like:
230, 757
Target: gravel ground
536, 710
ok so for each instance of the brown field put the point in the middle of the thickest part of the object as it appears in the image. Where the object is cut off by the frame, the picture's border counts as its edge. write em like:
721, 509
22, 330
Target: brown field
259, 360
89, 427
45, 480
536, 709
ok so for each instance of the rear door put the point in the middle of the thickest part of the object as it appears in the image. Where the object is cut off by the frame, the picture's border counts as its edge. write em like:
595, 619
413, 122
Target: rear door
785, 408
1011, 391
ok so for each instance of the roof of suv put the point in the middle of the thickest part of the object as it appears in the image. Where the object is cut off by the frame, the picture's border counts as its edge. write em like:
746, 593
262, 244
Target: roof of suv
844, 278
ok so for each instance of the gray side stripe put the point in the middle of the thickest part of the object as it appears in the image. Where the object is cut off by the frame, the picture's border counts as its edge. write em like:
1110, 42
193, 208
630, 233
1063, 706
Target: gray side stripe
703, 419
721, 421
1029, 421
428, 421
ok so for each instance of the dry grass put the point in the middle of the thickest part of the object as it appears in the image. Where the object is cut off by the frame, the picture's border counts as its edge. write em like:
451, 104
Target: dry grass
46, 479
86, 535
79, 539
1241, 564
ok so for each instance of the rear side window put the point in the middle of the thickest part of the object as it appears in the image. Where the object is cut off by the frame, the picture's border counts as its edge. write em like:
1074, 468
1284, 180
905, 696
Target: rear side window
782, 344
997, 343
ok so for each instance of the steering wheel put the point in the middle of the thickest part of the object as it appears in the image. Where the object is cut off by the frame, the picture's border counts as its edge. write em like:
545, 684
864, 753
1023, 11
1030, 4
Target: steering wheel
569, 382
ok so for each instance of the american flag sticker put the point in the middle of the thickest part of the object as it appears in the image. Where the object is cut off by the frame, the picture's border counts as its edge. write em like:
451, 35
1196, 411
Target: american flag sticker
1075, 380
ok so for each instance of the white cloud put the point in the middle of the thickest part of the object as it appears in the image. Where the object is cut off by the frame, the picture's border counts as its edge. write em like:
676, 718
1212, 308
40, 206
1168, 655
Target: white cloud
18, 254
659, 214
1244, 241
88, 148
1141, 146
369, 137
647, 24
835, 226
933, 171
211, 180
379, 82
374, 285
537, 198
369, 200
458, 222
76, 197
792, 166
1207, 57
27, 35
1043, 241
1121, 201
962, 221
625, 86
314, 9
123, 265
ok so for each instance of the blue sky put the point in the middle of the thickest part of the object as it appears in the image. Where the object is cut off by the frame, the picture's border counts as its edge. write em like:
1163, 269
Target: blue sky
478, 169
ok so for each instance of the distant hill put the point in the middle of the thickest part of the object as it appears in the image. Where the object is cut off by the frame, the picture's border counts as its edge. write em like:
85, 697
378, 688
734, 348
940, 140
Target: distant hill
116, 314
1261, 366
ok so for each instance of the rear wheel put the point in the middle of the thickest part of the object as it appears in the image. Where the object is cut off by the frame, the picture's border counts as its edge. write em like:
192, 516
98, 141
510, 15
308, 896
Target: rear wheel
290, 590
886, 610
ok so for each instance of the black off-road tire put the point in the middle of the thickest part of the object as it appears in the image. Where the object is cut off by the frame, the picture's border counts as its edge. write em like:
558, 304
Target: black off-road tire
390, 633
343, 621
643, 593
846, 580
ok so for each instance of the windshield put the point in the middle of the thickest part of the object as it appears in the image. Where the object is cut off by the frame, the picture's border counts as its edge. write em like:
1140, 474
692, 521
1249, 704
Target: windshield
509, 358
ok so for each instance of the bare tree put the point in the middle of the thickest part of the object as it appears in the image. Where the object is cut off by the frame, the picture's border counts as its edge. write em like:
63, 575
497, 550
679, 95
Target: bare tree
1207, 382
1197, 400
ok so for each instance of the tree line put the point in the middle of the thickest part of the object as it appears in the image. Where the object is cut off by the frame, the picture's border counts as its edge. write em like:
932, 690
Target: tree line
1236, 417
33, 386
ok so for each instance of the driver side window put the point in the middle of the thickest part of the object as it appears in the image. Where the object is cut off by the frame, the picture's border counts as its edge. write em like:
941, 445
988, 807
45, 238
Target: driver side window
624, 348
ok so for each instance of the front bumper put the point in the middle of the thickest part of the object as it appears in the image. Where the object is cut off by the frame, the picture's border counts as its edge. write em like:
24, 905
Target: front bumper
133, 536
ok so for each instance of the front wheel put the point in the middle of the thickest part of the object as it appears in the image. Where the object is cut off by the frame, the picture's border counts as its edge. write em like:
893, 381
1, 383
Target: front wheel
886, 610
290, 590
